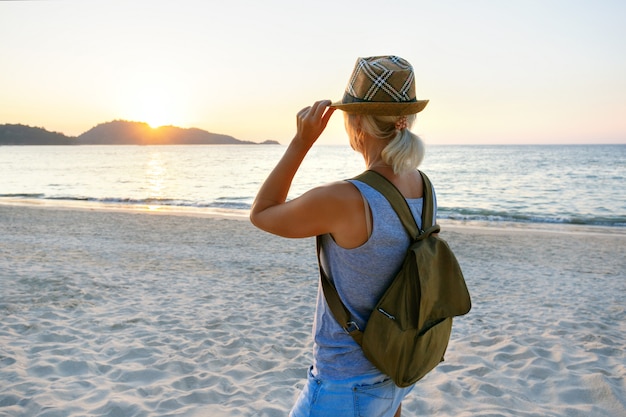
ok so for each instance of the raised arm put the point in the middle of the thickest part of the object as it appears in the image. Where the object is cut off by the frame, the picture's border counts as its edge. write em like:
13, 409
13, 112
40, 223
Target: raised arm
299, 217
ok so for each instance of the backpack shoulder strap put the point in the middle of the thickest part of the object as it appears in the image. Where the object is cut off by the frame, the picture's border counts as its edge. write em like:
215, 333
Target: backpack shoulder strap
429, 203
399, 203
338, 308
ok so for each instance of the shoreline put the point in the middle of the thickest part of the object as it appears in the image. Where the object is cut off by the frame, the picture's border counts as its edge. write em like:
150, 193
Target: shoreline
125, 208
242, 215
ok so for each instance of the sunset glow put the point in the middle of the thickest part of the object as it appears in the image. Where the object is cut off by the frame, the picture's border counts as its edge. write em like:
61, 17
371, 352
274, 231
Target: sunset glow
153, 101
523, 72
152, 111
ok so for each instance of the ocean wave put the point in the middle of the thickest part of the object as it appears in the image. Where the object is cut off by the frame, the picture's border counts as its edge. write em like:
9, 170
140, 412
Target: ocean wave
516, 217
236, 203
23, 195
243, 203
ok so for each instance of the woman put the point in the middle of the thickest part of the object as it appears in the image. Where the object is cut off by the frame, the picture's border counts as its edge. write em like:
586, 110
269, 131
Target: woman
363, 242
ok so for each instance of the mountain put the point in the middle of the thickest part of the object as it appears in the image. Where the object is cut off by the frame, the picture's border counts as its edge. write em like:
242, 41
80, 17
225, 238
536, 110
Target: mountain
26, 135
122, 132
118, 132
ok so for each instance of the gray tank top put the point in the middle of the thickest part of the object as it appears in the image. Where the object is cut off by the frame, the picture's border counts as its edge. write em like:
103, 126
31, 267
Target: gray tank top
361, 275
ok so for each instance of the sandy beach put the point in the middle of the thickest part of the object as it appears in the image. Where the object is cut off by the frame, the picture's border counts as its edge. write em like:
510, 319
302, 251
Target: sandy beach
108, 313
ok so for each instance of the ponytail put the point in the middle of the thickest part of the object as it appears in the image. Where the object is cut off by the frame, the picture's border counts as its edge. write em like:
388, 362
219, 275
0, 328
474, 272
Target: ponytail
404, 151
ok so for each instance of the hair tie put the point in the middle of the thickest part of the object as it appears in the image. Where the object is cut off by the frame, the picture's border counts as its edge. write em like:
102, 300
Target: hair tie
401, 123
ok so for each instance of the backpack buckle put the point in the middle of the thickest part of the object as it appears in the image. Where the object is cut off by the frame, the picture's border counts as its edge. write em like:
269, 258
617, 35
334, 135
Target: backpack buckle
351, 327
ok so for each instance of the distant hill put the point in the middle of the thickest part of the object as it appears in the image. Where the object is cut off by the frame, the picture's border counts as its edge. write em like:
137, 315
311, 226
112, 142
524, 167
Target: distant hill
26, 135
121, 132
118, 132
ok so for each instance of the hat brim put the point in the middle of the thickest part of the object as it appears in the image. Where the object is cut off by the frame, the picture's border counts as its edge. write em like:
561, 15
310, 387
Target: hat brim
382, 108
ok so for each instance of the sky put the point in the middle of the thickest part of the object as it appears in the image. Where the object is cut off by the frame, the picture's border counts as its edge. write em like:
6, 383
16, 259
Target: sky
495, 72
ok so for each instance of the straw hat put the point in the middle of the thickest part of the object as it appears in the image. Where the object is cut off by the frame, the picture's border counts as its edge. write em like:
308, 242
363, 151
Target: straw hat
382, 86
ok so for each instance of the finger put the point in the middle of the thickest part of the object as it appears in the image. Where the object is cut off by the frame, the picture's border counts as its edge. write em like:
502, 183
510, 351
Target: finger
320, 106
304, 111
326, 117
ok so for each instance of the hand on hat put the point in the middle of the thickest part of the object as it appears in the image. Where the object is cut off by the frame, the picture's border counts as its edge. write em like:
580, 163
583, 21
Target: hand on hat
312, 121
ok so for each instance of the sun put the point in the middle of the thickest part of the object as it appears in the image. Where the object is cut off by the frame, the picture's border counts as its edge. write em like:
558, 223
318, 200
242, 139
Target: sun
156, 119
154, 110
155, 106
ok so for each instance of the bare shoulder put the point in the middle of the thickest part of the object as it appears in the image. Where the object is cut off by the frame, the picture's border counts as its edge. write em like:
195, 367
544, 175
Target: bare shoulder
347, 214
340, 190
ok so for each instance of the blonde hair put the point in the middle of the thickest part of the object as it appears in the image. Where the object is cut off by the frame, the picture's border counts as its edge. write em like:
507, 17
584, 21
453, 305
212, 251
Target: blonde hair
404, 150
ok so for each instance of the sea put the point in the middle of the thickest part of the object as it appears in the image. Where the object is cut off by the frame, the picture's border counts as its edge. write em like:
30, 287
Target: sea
487, 184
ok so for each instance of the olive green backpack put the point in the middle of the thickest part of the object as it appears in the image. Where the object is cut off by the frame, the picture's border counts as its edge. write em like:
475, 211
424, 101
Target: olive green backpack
408, 331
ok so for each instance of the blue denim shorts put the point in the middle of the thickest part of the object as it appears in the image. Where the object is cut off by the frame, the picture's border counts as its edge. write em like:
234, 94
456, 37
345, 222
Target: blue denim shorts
368, 395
